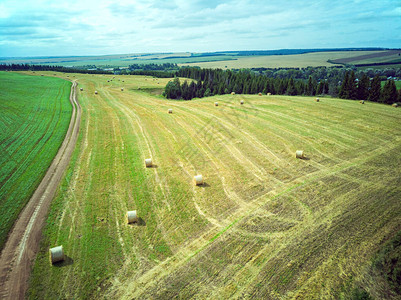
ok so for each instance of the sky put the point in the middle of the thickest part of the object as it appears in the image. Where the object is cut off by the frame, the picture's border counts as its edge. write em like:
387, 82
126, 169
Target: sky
100, 27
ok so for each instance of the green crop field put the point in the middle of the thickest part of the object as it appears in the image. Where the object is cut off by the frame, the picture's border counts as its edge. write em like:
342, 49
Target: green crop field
34, 117
265, 225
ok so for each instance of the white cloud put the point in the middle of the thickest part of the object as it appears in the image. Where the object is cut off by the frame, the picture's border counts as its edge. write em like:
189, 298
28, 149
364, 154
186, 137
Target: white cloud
45, 27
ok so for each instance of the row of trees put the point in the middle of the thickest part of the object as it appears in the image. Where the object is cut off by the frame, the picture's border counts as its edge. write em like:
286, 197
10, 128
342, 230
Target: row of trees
366, 89
209, 82
27, 67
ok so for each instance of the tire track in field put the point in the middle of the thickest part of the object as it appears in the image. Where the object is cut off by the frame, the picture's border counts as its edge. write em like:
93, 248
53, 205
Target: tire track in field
135, 289
23, 241
188, 172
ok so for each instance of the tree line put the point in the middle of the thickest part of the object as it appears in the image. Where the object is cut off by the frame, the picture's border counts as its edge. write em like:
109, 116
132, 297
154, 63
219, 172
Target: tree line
209, 82
28, 67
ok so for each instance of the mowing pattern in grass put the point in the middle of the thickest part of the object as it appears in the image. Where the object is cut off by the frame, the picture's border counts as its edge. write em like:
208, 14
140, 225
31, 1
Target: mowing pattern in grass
34, 117
264, 224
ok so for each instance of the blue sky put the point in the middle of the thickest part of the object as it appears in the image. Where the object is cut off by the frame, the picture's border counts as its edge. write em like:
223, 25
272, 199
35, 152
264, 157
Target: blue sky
96, 27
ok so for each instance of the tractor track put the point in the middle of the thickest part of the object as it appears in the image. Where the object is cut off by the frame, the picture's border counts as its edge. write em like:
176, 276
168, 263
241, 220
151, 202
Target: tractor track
22, 244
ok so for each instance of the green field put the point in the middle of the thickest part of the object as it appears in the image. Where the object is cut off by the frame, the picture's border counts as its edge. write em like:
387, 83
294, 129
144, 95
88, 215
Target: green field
230, 60
397, 84
34, 117
264, 225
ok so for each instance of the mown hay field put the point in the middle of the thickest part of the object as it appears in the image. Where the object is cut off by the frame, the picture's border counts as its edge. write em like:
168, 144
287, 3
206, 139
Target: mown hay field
264, 224
34, 117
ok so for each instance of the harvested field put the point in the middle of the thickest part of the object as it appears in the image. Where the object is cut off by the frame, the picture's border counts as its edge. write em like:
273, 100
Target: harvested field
376, 57
263, 224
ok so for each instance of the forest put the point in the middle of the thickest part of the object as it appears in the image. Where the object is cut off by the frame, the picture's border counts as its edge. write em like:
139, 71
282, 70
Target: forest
336, 82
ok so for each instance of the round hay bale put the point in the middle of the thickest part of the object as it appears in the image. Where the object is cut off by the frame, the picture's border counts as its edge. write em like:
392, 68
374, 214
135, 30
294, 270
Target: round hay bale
242, 102
232, 93
95, 92
260, 94
269, 94
170, 110
198, 180
56, 254
132, 217
81, 89
148, 162
317, 100
216, 104
362, 101
299, 154
394, 105
122, 89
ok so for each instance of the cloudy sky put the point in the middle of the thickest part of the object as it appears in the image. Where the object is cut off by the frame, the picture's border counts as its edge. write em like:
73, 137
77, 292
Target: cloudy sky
95, 27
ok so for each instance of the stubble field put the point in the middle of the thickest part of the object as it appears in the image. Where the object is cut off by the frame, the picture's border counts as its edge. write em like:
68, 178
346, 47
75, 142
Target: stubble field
264, 224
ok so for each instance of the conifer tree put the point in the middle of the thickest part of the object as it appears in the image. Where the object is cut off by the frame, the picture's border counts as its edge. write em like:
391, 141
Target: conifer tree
375, 89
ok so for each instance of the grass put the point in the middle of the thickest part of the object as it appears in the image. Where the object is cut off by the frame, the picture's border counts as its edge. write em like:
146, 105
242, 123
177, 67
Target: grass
35, 113
264, 225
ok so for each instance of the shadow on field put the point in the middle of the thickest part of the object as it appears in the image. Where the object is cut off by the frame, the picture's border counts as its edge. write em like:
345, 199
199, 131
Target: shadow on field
154, 166
66, 262
205, 185
140, 222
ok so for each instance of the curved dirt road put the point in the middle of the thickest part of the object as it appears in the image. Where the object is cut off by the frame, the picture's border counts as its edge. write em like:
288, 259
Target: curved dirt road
23, 241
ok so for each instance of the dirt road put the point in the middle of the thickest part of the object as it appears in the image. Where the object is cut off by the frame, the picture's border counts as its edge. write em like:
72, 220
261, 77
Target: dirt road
23, 242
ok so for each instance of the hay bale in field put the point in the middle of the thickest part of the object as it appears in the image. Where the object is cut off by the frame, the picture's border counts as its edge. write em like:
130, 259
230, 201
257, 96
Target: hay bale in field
394, 105
122, 89
108, 80
216, 104
132, 217
81, 89
170, 110
299, 154
362, 101
123, 80
260, 94
232, 93
242, 102
198, 180
56, 254
148, 162
317, 99
95, 92
269, 94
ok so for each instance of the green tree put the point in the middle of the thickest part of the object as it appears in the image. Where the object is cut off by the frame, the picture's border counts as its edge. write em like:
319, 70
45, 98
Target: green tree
352, 86
310, 87
363, 88
343, 93
173, 89
375, 89
389, 92
291, 90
